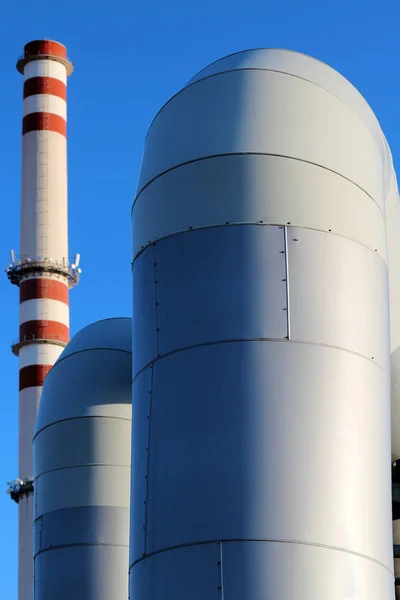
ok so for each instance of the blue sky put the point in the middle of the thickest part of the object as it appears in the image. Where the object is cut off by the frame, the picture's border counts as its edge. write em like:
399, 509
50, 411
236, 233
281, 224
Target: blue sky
130, 57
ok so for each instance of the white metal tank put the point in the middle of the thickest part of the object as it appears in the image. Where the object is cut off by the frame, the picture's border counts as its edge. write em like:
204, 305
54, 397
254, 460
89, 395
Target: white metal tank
81, 451
261, 463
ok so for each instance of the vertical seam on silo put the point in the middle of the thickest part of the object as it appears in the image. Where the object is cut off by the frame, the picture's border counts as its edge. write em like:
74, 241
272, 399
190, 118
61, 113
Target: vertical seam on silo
285, 237
34, 556
155, 295
221, 569
40, 531
146, 499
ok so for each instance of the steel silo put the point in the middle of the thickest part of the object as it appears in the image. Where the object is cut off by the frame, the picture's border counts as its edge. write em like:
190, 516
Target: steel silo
261, 359
81, 453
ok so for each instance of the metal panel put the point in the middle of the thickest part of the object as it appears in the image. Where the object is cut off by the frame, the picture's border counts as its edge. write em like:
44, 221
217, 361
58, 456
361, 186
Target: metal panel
236, 431
108, 334
93, 384
263, 112
226, 283
82, 573
144, 337
255, 570
338, 294
233, 188
96, 441
37, 536
80, 486
179, 574
141, 407
82, 525
298, 65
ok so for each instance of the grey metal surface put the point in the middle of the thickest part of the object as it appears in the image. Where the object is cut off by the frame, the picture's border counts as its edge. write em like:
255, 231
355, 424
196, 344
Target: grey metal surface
333, 300
81, 572
108, 334
82, 525
93, 485
144, 306
255, 111
250, 568
235, 431
182, 573
301, 65
102, 441
279, 448
141, 407
215, 284
237, 570
99, 371
210, 192
81, 453
210, 285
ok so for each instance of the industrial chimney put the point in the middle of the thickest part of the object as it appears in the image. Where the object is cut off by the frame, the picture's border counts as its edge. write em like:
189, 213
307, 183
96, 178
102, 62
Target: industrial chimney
42, 271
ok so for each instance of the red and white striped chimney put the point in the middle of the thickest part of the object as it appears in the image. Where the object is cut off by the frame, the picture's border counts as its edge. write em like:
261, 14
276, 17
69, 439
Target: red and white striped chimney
42, 271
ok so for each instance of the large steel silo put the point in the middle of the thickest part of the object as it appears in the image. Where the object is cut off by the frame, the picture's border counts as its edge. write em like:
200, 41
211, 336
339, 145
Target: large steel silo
261, 360
81, 454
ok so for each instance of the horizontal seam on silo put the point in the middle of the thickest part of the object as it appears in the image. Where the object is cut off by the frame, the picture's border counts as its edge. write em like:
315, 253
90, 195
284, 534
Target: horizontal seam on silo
317, 60
253, 223
273, 48
103, 320
258, 69
214, 62
261, 540
87, 506
94, 464
79, 545
80, 417
95, 323
90, 350
251, 340
227, 154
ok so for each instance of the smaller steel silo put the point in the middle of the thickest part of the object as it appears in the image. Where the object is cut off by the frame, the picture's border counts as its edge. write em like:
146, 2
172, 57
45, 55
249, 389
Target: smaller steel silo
82, 448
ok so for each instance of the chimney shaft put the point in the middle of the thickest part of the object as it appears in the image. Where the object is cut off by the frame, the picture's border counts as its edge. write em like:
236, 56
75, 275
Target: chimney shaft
42, 270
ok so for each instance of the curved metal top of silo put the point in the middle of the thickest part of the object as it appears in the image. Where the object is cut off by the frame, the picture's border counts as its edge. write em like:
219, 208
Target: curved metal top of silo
299, 65
267, 60
99, 359
108, 334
